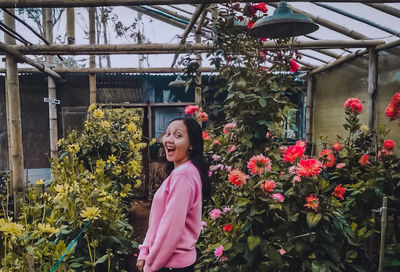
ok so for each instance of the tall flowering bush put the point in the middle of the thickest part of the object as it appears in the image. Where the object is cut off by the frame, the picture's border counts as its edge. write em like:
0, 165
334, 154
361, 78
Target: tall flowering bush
287, 211
93, 180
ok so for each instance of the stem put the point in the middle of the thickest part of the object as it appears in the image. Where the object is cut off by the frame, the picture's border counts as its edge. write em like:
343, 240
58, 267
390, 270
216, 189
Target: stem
109, 261
5, 250
90, 252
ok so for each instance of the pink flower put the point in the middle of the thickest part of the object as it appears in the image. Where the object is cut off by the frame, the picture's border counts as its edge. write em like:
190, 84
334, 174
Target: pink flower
337, 146
209, 174
293, 152
258, 164
215, 213
292, 169
215, 157
339, 191
340, 165
203, 116
227, 210
232, 148
392, 111
223, 259
218, 251
237, 178
228, 127
202, 225
261, 7
388, 145
293, 66
282, 251
228, 168
191, 109
205, 136
216, 142
364, 159
268, 186
296, 179
267, 135
354, 105
308, 167
330, 159
312, 202
278, 197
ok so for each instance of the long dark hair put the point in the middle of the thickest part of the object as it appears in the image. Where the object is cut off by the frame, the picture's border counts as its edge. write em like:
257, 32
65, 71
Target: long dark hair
196, 155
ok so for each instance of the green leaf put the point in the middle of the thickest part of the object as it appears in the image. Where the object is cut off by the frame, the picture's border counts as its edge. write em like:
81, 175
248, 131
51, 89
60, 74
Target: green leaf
263, 102
75, 265
101, 259
253, 241
313, 219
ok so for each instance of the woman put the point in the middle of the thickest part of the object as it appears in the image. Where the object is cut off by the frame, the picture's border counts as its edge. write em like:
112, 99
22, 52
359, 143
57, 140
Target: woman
175, 216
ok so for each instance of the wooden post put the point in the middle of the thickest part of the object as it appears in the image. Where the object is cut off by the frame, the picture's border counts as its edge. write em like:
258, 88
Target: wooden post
197, 94
383, 233
372, 86
309, 113
51, 86
92, 60
71, 25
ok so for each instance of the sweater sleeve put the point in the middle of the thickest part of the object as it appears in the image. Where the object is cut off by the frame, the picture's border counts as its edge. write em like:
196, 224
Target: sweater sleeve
144, 249
179, 200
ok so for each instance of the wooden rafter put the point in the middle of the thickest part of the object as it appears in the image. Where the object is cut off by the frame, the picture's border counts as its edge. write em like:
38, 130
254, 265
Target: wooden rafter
97, 70
385, 8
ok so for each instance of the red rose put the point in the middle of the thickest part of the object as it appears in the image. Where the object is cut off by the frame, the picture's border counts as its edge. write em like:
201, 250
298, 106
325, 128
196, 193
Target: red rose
227, 228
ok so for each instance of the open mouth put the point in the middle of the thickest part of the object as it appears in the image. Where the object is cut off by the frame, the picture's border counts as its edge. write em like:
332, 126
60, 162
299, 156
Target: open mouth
170, 150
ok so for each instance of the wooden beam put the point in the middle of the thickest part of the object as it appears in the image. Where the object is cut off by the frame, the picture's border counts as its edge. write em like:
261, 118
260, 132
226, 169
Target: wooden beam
97, 70
71, 25
372, 86
309, 113
92, 60
98, 3
331, 25
385, 8
104, 49
196, 15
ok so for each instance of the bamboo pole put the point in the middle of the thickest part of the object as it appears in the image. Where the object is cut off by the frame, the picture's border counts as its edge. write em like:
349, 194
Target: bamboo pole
70, 25
92, 60
104, 49
385, 8
196, 15
97, 70
331, 25
51, 87
8, 20
10, 50
313, 57
96, 3
383, 233
200, 22
372, 86
309, 113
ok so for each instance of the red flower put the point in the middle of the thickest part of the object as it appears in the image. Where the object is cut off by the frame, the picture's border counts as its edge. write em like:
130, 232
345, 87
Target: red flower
354, 105
364, 159
261, 7
268, 186
227, 228
330, 159
232, 148
392, 111
237, 177
388, 145
228, 127
339, 191
191, 109
250, 24
308, 167
294, 67
203, 116
216, 142
205, 136
396, 99
337, 146
312, 202
258, 164
293, 152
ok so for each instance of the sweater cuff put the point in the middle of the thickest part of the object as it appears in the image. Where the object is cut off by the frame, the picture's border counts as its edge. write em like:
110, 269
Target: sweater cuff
144, 251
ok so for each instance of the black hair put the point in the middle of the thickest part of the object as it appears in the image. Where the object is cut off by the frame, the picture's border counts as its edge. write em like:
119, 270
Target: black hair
196, 154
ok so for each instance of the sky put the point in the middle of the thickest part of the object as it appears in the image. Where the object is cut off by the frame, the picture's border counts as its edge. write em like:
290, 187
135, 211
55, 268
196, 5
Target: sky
159, 32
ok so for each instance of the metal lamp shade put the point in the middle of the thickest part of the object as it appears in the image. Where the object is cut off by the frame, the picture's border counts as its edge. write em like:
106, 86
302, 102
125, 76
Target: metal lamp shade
283, 23
178, 82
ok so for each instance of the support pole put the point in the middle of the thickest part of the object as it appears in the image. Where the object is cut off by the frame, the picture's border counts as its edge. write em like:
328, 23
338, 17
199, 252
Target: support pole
200, 22
383, 233
92, 60
51, 87
71, 25
15, 130
309, 113
372, 86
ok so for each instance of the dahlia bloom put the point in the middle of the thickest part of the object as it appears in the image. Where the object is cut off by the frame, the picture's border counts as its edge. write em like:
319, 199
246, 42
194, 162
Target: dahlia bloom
388, 145
237, 177
293, 152
391, 111
337, 146
232, 148
364, 159
258, 164
216, 142
354, 105
278, 197
330, 159
308, 167
268, 186
215, 213
205, 136
218, 251
203, 116
340, 165
227, 228
228, 127
191, 109
312, 202
339, 191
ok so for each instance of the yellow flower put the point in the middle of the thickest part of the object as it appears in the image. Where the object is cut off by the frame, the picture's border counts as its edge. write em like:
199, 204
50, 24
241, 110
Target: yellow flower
90, 213
132, 146
117, 170
46, 228
60, 142
105, 124
131, 127
364, 128
11, 228
39, 182
100, 164
73, 148
137, 183
98, 113
122, 194
91, 107
111, 159
153, 141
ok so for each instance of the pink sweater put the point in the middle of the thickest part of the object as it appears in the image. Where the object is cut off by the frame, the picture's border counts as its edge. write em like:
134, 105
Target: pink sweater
174, 223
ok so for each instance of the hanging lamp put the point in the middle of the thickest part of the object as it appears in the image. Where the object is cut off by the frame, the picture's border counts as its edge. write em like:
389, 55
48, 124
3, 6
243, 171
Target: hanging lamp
178, 82
283, 23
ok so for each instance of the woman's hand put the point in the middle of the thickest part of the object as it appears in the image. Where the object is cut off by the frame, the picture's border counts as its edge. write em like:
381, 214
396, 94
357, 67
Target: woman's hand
140, 264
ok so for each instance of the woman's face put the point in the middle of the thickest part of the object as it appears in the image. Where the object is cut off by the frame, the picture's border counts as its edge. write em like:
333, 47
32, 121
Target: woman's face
176, 143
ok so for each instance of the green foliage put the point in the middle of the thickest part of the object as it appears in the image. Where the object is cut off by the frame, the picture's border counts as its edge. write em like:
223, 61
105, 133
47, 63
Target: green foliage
92, 180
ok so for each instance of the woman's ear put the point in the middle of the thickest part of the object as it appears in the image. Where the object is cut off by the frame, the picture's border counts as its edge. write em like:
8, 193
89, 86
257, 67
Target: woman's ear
190, 147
